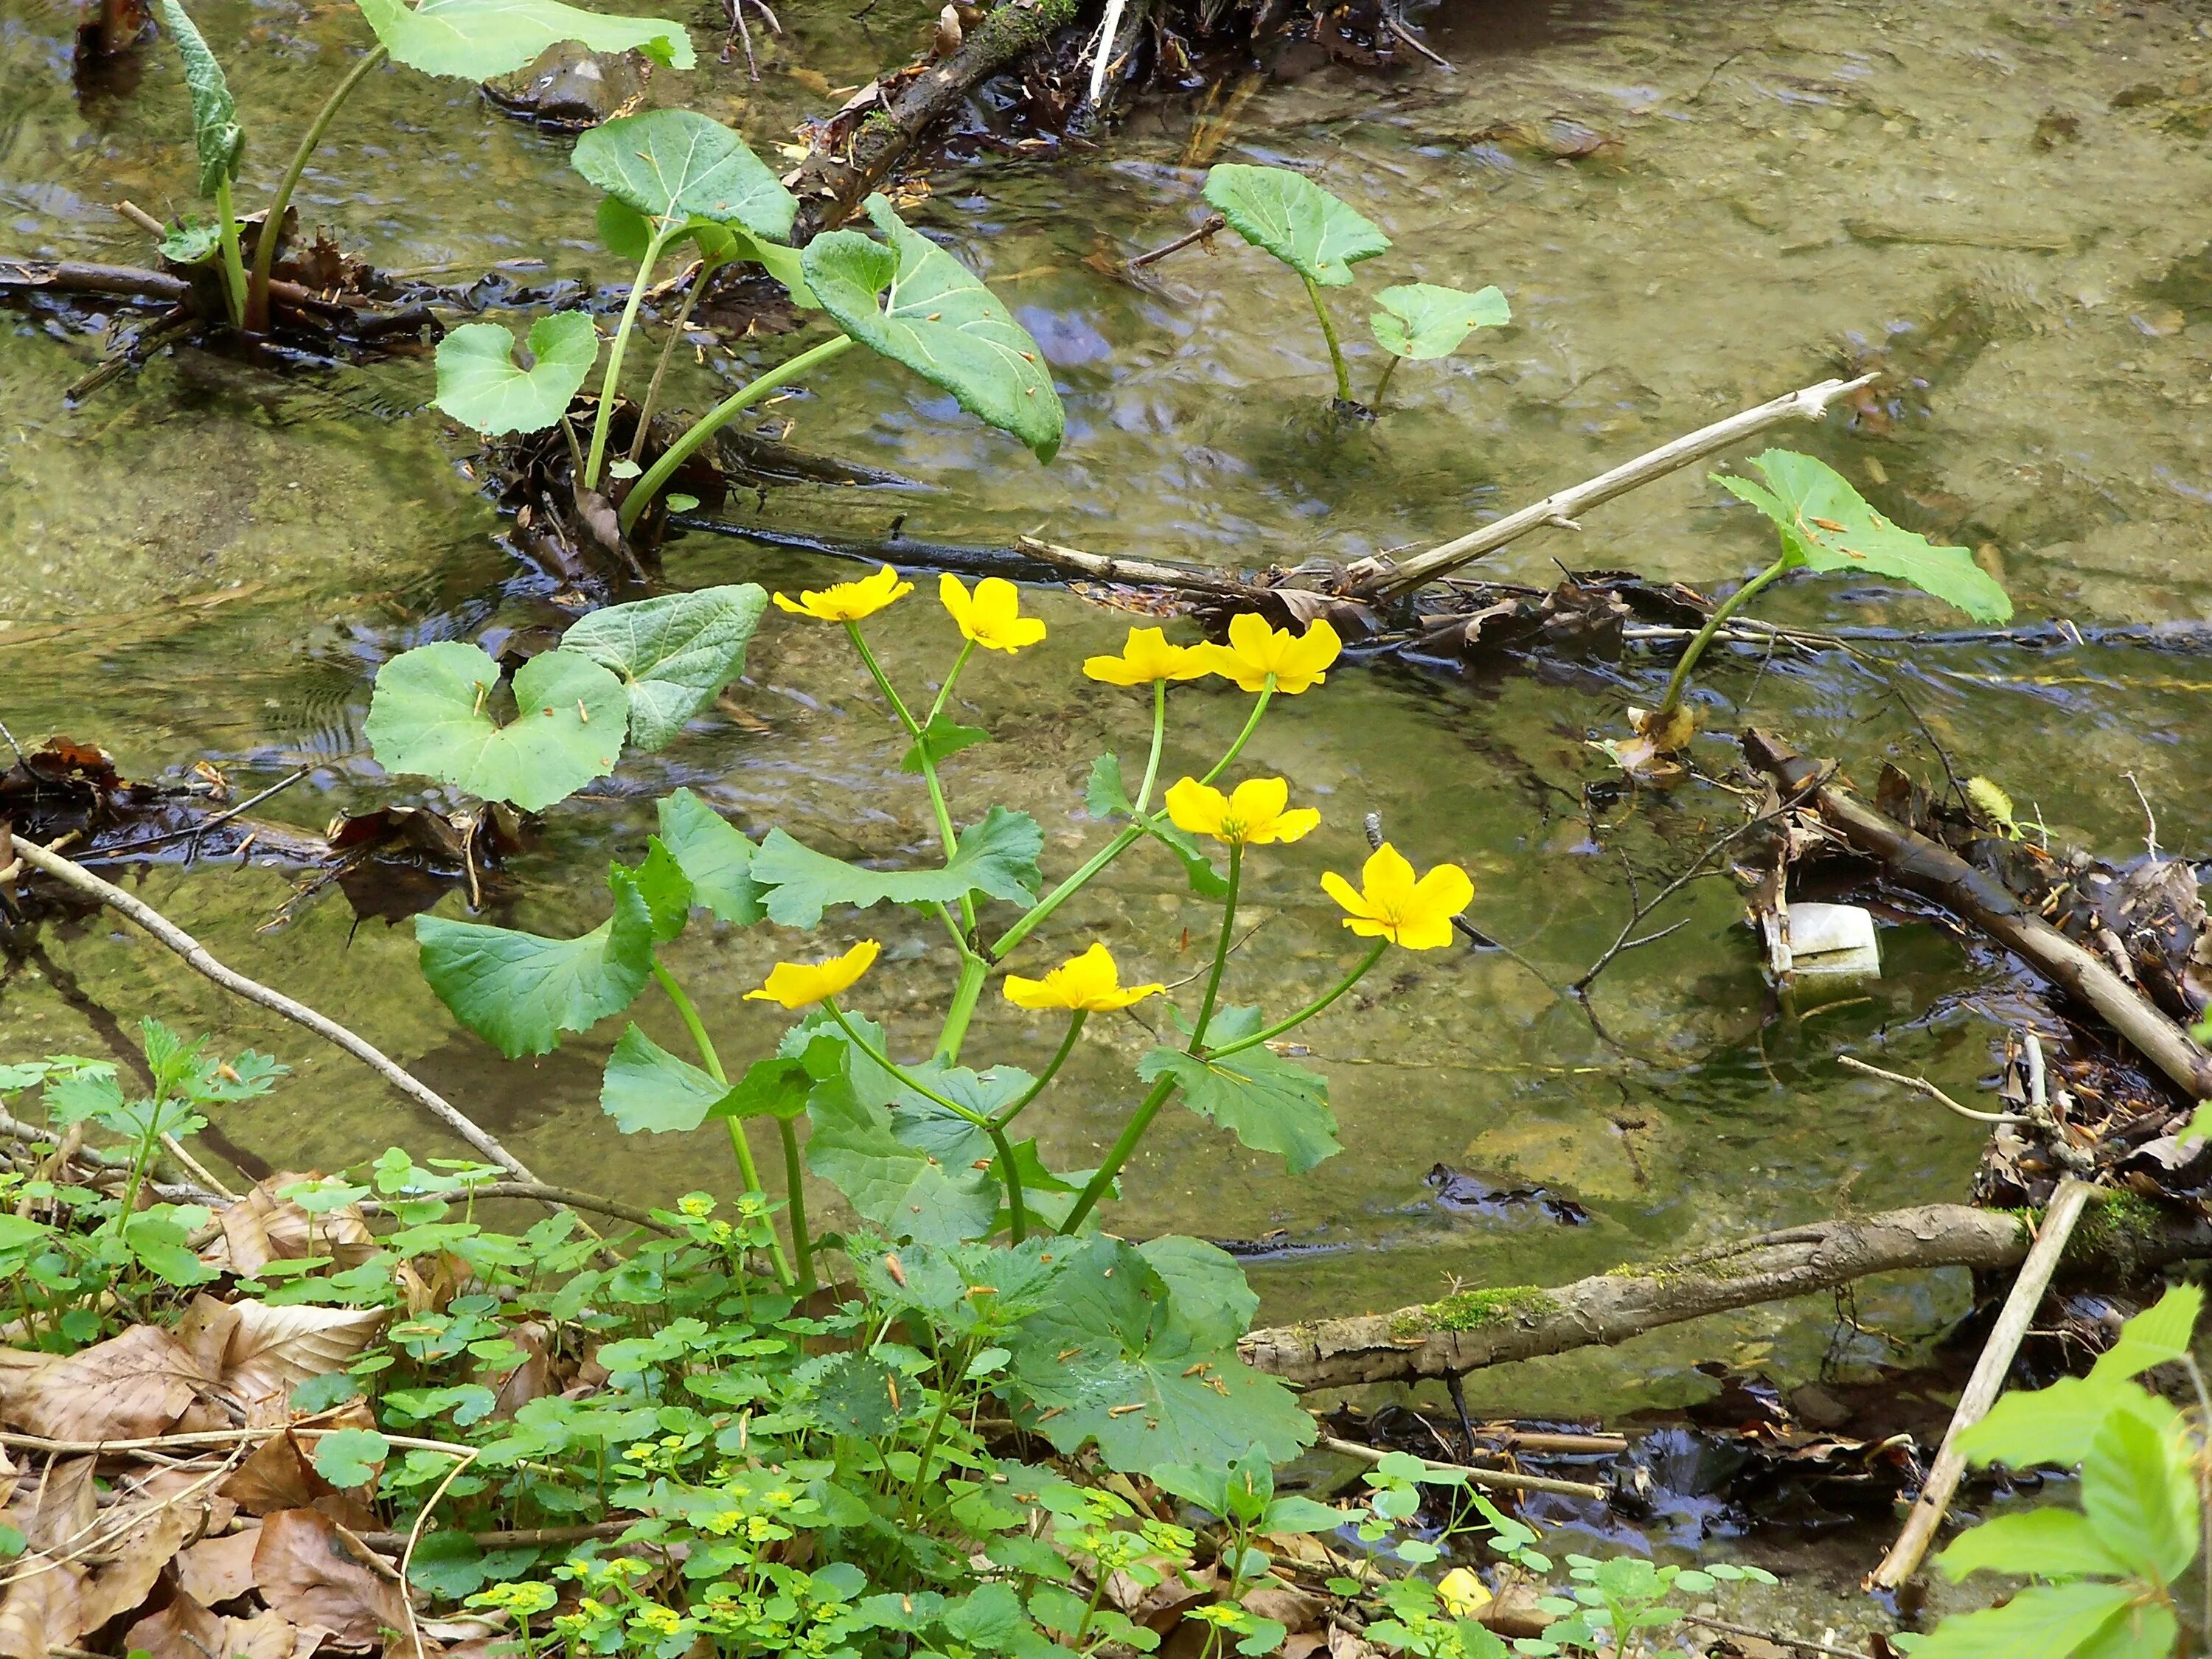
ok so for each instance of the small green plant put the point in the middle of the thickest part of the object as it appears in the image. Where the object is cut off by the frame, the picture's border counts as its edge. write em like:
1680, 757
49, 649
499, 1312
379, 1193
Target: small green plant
1610, 1605
1322, 237
2109, 1574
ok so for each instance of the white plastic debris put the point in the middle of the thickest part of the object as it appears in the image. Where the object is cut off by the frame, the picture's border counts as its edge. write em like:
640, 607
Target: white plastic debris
1833, 938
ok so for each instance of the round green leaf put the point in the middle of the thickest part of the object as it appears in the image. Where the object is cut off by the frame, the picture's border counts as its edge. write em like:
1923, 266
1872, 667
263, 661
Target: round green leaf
430, 714
481, 384
673, 654
1421, 319
477, 40
1296, 220
917, 305
675, 164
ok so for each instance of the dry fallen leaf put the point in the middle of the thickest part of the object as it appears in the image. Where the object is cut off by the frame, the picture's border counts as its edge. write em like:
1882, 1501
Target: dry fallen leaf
38, 1607
205, 1329
219, 1570
280, 1476
128, 1388
307, 1573
206, 1511
271, 1350
62, 1508
134, 1564
261, 1228
269, 1636
183, 1630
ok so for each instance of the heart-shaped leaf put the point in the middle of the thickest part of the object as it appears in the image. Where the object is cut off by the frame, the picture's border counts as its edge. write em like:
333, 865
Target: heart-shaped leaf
1829, 525
917, 305
477, 40
997, 856
1420, 319
673, 654
430, 714
715, 857
217, 135
942, 737
1296, 220
675, 165
481, 384
1265, 1101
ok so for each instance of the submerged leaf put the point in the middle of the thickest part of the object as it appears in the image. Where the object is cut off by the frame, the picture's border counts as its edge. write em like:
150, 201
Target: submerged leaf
1421, 319
481, 384
1293, 218
216, 136
938, 319
996, 857
672, 653
477, 40
430, 713
678, 165
1829, 525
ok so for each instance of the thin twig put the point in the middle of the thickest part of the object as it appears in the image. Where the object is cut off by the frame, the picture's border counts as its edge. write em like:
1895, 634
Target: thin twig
527, 1537
1921, 1085
214, 822
1213, 223
184, 944
1625, 940
1413, 40
2150, 818
568, 1196
40, 1443
1797, 1641
1496, 1479
195, 1167
415, 1537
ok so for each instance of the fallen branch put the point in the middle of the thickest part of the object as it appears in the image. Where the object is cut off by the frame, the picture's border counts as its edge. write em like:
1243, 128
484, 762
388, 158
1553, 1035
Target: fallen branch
1475, 1328
566, 1197
1494, 1479
1912, 860
1921, 1086
183, 943
1990, 1369
1386, 579
391, 1543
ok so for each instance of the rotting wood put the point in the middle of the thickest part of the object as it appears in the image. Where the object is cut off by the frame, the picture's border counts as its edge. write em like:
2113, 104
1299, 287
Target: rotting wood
1473, 1329
1914, 861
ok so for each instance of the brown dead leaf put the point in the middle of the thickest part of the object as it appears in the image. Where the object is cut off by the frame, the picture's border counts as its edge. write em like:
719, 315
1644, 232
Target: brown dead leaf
205, 1329
1343, 1644
280, 1476
206, 1511
532, 1379
1304, 1645
273, 1349
131, 1387
269, 1636
9, 1475
1294, 1609
38, 1607
219, 1570
134, 1565
60, 1509
262, 1227
307, 1573
183, 1630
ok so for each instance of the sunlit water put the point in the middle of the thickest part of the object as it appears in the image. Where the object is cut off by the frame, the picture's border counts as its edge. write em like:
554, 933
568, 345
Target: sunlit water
2004, 201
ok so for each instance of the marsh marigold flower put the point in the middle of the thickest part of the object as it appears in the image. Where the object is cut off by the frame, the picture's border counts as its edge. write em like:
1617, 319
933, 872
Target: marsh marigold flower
795, 984
1090, 982
1391, 904
1255, 651
848, 602
991, 615
1148, 657
1253, 816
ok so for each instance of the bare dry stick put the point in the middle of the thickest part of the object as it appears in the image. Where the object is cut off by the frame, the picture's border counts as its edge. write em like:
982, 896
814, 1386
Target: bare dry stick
175, 939
1921, 1085
1983, 1388
1495, 1479
39, 1442
1143, 573
1383, 579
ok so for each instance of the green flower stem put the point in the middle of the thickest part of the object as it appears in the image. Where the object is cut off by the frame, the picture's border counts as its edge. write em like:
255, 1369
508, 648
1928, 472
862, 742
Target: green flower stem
1067, 1047
1220, 949
795, 1187
1714, 624
657, 476
1328, 333
1383, 385
965, 994
1307, 1012
661, 237
234, 266
1159, 735
272, 228
912, 730
739, 1147
1251, 724
1118, 1153
707, 268
944, 691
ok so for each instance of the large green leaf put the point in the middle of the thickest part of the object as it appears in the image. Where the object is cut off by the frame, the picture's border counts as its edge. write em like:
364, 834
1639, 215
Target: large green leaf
430, 713
2139, 1492
676, 165
217, 135
480, 384
648, 1088
713, 854
1112, 1338
2148, 1629
2046, 1543
1420, 319
1296, 220
673, 654
1208, 1290
2056, 1426
940, 1282
1828, 526
2045, 1621
520, 990
997, 858
904, 1190
628, 233
477, 40
666, 890
938, 319
2159, 1335
1266, 1102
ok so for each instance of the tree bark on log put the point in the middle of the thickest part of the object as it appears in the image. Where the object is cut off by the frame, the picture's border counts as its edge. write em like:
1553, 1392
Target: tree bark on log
1476, 1328
1914, 861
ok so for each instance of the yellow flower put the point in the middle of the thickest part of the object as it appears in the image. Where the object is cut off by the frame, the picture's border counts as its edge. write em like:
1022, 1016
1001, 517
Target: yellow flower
992, 615
1090, 982
1148, 657
1255, 651
1392, 905
1252, 817
1462, 1595
795, 984
848, 602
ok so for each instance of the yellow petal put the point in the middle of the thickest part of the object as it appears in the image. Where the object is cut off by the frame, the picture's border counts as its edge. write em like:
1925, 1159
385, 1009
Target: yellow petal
1196, 807
1257, 802
1293, 826
1461, 1594
1387, 880
796, 984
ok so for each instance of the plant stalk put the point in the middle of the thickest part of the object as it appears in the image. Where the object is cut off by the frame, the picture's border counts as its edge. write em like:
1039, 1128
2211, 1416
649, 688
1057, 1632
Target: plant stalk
604, 416
1118, 1153
657, 475
1220, 949
1726, 608
272, 228
707, 268
1159, 735
1307, 1012
1067, 1047
233, 267
1328, 333
795, 1187
1383, 385
1251, 724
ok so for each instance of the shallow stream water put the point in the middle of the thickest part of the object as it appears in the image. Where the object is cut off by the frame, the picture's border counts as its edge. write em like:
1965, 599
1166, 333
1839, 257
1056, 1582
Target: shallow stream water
2003, 202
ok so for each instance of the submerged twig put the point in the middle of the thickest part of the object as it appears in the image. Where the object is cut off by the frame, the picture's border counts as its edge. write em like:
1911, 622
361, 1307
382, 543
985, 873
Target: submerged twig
1213, 225
1921, 1085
